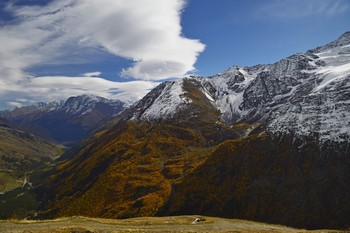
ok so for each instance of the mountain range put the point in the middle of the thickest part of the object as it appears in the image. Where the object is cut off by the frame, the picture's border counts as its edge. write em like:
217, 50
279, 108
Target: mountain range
267, 143
299, 94
65, 122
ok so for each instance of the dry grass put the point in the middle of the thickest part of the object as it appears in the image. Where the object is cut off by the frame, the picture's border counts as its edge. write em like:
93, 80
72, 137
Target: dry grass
144, 224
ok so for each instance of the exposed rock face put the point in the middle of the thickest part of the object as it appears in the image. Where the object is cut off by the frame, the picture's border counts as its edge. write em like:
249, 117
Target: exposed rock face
323, 115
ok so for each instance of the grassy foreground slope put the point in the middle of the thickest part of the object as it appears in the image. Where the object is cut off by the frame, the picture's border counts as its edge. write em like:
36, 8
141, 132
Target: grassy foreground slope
154, 224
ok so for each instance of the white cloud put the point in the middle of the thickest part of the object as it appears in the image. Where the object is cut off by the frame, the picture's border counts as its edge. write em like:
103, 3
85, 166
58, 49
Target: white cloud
145, 31
51, 88
92, 74
148, 32
14, 104
23, 100
300, 9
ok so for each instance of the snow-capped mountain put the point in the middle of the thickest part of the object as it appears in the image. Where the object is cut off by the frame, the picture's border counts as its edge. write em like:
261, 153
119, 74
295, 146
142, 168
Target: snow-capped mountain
82, 105
76, 105
65, 121
307, 94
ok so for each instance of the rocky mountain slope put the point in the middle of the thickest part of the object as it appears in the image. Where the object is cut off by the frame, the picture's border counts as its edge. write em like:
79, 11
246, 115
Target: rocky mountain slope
267, 143
65, 121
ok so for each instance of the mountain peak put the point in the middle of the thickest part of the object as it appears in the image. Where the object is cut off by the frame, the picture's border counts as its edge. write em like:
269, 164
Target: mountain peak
86, 98
345, 35
343, 40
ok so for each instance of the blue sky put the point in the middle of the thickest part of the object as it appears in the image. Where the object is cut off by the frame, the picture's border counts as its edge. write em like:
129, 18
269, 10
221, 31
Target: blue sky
123, 48
249, 32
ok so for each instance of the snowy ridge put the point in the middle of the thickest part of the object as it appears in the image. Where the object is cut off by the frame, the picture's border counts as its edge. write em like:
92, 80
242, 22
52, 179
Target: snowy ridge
74, 105
306, 93
77, 106
227, 90
80, 105
168, 102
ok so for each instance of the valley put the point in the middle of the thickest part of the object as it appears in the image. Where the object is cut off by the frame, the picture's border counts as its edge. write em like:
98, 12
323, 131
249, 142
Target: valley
21, 153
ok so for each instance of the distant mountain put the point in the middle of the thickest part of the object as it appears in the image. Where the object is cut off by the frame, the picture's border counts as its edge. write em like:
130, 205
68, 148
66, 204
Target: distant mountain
269, 143
65, 121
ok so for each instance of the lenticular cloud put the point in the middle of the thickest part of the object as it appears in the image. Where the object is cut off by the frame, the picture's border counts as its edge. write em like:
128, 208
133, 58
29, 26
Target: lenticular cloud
147, 32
